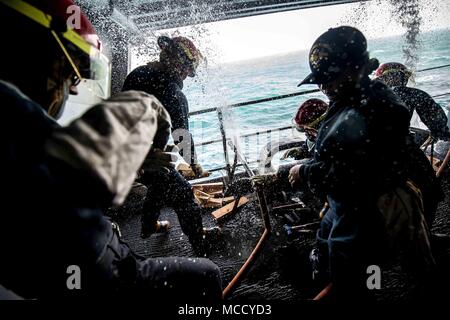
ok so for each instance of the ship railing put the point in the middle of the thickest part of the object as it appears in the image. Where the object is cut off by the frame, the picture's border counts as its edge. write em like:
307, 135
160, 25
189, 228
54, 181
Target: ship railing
228, 166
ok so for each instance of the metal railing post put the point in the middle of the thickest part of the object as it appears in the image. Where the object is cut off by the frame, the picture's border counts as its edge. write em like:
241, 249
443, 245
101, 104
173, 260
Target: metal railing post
224, 143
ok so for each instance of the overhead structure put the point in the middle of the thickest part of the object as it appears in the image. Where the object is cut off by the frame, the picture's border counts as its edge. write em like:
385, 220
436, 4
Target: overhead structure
119, 22
163, 14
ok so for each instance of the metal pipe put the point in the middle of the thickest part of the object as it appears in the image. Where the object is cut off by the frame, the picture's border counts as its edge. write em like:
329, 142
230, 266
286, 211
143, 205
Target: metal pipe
245, 266
283, 128
324, 293
233, 167
306, 225
433, 68
291, 206
224, 142
246, 135
246, 103
237, 165
432, 152
251, 259
441, 95
444, 164
267, 228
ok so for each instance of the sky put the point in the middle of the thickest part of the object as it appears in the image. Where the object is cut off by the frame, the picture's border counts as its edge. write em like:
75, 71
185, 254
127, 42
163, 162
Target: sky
271, 34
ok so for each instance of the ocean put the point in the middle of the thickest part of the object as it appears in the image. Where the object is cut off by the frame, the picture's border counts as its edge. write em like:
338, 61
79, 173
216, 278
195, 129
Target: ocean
233, 83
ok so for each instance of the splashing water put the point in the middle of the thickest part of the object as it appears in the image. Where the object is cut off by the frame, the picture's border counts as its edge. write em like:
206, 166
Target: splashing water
214, 92
409, 14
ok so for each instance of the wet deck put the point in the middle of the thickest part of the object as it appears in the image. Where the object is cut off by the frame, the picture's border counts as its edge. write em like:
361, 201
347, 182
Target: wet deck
281, 272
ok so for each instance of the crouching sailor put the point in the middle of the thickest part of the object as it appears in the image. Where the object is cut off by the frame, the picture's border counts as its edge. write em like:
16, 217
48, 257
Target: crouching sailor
62, 179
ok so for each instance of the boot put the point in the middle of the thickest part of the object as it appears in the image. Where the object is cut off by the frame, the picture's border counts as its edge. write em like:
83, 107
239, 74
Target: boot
161, 226
202, 244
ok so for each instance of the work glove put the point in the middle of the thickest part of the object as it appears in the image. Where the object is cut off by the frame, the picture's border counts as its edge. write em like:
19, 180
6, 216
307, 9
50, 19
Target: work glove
158, 161
186, 171
194, 171
199, 172
264, 180
296, 153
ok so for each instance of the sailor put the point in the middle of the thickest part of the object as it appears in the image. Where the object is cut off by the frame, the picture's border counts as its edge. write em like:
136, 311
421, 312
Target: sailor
307, 120
396, 76
166, 187
359, 166
55, 240
178, 59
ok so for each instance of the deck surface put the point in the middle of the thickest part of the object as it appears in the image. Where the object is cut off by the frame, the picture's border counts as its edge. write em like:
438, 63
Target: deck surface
281, 272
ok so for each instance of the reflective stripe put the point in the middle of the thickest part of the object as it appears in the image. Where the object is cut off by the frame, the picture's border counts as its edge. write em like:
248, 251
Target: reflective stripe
74, 67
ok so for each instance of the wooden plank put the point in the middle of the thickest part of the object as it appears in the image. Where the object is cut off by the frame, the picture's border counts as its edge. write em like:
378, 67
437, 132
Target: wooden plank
201, 193
220, 213
210, 202
214, 187
227, 200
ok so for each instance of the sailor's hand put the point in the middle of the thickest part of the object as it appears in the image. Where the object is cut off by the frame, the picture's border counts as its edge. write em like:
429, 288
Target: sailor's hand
263, 180
158, 161
199, 172
294, 176
296, 153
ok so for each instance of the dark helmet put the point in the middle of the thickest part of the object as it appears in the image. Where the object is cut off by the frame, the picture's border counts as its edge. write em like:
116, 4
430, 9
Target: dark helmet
183, 50
310, 113
333, 52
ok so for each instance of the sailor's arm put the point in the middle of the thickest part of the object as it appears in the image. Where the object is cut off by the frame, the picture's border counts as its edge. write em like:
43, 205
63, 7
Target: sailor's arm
111, 140
180, 129
316, 175
432, 115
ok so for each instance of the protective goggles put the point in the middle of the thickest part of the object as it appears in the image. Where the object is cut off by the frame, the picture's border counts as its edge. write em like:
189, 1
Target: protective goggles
88, 63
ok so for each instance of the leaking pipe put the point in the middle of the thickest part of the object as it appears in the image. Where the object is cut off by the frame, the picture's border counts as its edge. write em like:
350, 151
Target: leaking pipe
443, 165
252, 257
